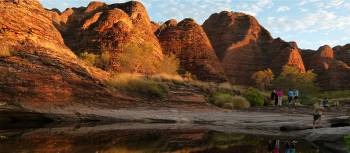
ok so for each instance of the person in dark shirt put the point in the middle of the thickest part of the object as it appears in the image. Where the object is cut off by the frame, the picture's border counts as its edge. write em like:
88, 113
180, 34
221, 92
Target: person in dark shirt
274, 97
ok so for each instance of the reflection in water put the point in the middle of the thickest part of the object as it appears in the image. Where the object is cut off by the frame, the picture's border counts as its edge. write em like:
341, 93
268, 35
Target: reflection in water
347, 142
142, 141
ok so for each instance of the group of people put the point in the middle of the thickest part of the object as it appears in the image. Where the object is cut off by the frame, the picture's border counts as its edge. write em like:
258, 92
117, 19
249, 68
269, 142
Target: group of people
290, 146
277, 96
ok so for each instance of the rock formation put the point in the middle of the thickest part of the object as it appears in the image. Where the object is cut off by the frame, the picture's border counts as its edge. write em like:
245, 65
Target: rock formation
331, 72
41, 68
16, 26
319, 60
244, 46
155, 26
188, 41
229, 46
279, 53
343, 53
108, 28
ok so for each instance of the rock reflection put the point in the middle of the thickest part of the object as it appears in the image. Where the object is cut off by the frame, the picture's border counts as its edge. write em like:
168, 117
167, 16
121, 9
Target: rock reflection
138, 141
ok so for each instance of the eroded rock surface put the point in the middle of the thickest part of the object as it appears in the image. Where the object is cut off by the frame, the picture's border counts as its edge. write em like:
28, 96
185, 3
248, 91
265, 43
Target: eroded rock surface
343, 53
331, 72
100, 28
41, 69
245, 47
188, 41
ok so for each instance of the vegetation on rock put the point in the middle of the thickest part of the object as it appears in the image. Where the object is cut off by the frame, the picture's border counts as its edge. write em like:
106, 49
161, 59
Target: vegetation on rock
335, 94
226, 100
169, 65
5, 51
254, 97
137, 84
263, 79
293, 78
136, 58
100, 61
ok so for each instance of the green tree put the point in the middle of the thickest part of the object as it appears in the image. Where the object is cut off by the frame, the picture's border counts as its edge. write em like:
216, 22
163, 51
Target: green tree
293, 78
263, 79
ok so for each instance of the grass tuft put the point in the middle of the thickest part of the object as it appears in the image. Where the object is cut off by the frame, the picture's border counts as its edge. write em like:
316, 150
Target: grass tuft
5, 51
139, 85
226, 100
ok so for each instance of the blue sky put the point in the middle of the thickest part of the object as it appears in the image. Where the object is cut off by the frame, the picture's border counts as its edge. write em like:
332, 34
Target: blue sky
311, 23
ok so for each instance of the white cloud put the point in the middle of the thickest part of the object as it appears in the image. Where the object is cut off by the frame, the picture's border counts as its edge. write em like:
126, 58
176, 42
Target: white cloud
304, 2
254, 7
312, 22
283, 9
179, 9
303, 9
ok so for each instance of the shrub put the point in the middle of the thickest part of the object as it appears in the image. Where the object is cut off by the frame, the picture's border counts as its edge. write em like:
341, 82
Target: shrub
137, 84
220, 99
263, 78
309, 100
207, 87
142, 59
137, 58
226, 100
103, 60
254, 97
293, 78
169, 65
164, 77
240, 102
335, 94
89, 58
5, 51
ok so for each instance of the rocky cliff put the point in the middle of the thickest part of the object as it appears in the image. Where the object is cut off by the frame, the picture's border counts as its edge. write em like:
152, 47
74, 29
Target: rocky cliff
343, 53
279, 53
101, 28
228, 46
40, 68
188, 41
331, 72
244, 46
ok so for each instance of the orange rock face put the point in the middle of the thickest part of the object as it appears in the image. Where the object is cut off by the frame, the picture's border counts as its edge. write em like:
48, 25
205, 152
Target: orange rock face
41, 68
343, 53
190, 44
319, 60
16, 18
332, 73
279, 53
108, 28
244, 47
